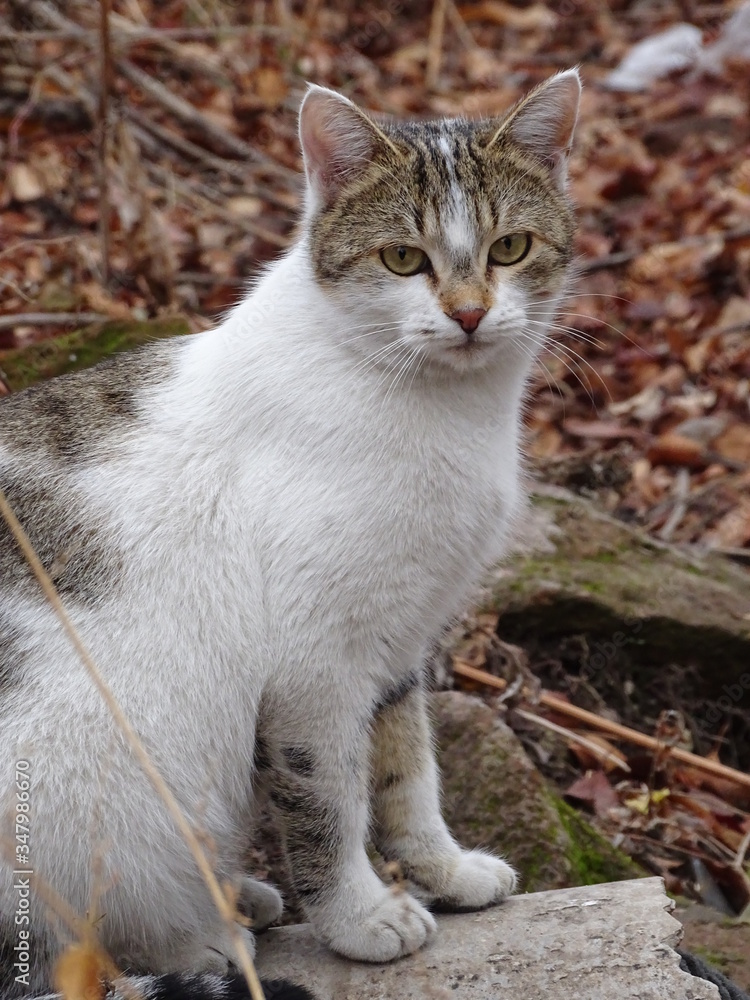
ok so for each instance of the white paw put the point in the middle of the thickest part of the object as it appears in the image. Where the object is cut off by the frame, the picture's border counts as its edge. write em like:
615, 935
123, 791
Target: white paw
398, 926
478, 880
216, 956
260, 902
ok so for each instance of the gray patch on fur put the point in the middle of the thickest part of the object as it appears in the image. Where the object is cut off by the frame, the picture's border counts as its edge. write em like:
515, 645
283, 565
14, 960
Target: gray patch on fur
70, 418
397, 692
261, 755
311, 835
70, 544
12, 655
300, 760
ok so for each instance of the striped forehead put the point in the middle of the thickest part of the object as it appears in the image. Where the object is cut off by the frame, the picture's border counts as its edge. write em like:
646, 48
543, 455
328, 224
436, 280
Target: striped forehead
447, 177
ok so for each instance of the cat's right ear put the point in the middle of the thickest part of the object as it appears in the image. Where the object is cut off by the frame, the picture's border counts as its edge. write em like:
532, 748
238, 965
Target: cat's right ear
542, 123
338, 141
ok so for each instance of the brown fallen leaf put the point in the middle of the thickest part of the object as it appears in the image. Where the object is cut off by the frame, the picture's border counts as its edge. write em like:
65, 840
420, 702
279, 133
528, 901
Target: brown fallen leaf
595, 790
734, 443
602, 430
24, 183
498, 12
674, 449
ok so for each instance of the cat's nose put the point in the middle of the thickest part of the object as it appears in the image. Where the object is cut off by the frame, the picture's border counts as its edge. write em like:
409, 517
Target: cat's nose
468, 319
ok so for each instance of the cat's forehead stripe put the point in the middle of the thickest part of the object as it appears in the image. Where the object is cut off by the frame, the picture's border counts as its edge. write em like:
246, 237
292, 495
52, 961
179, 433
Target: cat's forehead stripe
444, 209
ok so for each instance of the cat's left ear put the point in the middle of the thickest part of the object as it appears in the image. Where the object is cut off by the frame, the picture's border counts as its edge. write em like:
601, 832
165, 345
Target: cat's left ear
543, 122
338, 141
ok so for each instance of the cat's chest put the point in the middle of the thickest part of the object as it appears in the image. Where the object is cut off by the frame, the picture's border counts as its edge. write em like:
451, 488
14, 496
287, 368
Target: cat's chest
408, 509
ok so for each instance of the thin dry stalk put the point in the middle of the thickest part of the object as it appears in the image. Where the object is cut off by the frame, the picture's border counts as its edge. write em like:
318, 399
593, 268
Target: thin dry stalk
81, 929
67, 916
435, 43
224, 906
614, 729
460, 27
13, 320
574, 737
187, 114
102, 145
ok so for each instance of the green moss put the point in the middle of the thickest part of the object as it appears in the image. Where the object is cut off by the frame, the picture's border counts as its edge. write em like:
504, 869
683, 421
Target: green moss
536, 864
83, 348
605, 557
603, 579
715, 958
593, 858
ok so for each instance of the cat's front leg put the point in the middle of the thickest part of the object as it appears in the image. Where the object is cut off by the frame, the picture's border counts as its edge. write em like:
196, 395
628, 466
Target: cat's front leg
409, 827
316, 771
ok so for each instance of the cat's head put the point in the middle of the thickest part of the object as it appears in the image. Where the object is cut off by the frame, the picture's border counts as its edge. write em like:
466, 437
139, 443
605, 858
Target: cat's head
445, 240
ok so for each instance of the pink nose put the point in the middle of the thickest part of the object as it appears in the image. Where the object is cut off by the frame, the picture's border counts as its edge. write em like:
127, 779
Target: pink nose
468, 318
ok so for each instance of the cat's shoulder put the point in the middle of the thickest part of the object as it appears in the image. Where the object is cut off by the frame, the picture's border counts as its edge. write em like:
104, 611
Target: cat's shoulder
49, 434
70, 417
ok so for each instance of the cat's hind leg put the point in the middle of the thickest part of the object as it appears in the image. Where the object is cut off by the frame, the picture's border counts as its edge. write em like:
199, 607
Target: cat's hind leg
409, 828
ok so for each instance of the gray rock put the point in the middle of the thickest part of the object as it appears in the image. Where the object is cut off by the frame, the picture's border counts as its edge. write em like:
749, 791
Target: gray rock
494, 797
608, 942
640, 604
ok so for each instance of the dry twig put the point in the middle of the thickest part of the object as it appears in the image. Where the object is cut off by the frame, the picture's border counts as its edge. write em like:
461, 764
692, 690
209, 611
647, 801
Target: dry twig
186, 112
614, 729
435, 43
103, 123
50, 319
570, 734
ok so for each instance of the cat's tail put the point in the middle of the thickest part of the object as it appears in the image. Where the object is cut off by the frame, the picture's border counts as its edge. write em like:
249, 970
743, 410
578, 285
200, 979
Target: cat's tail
193, 986
201, 986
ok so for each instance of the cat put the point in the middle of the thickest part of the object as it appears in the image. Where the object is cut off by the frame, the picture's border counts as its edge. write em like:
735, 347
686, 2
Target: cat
259, 530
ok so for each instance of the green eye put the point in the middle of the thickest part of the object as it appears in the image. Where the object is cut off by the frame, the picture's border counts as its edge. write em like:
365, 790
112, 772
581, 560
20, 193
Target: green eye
404, 260
510, 249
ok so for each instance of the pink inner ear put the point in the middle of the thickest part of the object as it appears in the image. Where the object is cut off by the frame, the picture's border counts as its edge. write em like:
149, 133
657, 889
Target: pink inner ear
337, 141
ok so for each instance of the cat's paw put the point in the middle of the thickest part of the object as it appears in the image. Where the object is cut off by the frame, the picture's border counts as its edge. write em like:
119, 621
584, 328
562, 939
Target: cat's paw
260, 902
476, 881
217, 956
398, 926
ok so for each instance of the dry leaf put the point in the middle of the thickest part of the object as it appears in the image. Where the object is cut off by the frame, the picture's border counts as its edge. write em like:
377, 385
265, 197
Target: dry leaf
595, 790
674, 449
24, 183
533, 18
734, 443
80, 973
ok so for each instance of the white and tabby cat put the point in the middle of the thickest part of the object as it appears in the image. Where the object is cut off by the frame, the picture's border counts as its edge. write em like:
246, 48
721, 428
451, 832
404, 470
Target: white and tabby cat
258, 532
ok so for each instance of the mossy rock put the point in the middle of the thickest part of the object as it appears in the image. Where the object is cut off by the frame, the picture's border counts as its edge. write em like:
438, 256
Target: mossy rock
494, 797
82, 348
638, 604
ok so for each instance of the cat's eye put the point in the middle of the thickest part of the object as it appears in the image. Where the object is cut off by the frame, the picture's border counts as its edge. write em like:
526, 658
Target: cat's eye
510, 249
404, 260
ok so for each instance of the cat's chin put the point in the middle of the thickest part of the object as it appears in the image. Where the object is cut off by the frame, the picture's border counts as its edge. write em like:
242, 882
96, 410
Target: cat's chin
469, 356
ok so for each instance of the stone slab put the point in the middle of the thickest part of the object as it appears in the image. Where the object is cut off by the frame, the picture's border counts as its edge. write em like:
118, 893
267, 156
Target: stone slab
604, 942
